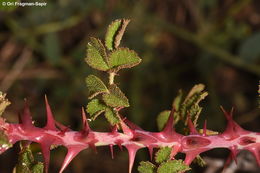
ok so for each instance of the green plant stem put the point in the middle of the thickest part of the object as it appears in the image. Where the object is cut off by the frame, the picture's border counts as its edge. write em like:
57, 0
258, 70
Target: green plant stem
111, 78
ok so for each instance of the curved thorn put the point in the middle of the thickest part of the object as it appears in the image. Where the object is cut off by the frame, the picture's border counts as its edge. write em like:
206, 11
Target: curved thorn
125, 128
132, 125
72, 152
228, 117
150, 148
227, 162
112, 151
170, 122
26, 118
46, 156
114, 129
132, 149
232, 111
175, 150
255, 150
119, 143
234, 151
205, 128
86, 128
189, 158
191, 126
93, 147
62, 127
50, 125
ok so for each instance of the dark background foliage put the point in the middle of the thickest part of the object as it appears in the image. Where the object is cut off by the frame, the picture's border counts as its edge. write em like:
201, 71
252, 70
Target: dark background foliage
181, 43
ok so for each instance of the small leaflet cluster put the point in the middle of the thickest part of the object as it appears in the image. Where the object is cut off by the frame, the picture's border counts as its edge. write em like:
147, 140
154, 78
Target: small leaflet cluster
111, 58
108, 99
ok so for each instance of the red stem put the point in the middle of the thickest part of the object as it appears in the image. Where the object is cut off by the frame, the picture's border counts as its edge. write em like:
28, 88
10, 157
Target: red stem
233, 138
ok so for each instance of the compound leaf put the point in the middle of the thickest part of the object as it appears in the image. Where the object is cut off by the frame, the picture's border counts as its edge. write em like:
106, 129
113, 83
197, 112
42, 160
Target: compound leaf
115, 97
95, 86
173, 166
96, 55
163, 154
190, 105
122, 58
146, 167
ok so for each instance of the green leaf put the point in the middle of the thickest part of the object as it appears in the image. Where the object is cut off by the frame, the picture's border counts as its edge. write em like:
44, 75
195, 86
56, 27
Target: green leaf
183, 107
200, 161
4, 142
120, 32
115, 97
26, 162
163, 154
115, 33
3, 103
95, 108
146, 167
111, 116
96, 55
122, 58
177, 101
173, 166
38, 168
190, 105
197, 89
162, 119
95, 86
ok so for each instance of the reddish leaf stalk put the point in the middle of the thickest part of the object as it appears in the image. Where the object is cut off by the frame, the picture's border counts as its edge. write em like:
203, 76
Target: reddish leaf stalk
133, 138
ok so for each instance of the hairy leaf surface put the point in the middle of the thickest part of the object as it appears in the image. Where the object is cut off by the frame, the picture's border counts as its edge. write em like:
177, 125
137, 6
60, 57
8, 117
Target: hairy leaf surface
95, 86
115, 97
163, 154
115, 33
95, 108
96, 55
122, 58
111, 116
146, 167
173, 166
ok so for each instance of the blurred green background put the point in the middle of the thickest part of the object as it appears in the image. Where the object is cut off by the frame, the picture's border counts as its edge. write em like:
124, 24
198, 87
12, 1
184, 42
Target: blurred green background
181, 43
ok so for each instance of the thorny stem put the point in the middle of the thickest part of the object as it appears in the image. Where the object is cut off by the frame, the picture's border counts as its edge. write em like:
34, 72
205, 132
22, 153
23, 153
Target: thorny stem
133, 138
